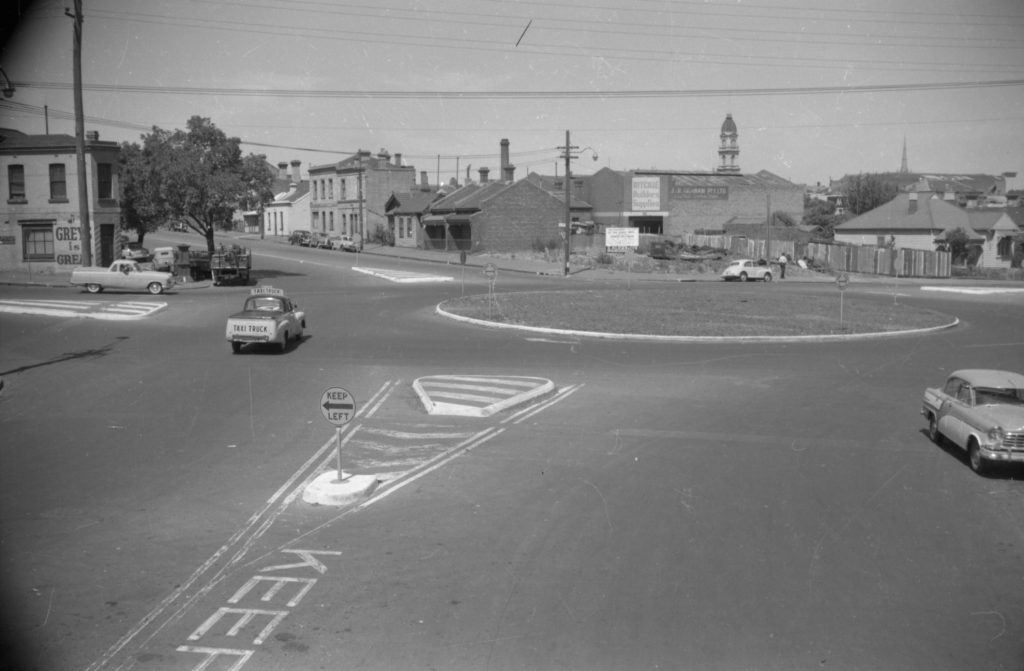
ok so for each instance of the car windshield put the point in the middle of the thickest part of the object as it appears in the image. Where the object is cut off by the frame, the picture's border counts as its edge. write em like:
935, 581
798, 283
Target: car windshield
994, 396
265, 304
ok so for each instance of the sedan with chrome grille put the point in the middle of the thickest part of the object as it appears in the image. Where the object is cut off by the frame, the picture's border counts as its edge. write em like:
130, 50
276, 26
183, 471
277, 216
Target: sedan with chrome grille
981, 411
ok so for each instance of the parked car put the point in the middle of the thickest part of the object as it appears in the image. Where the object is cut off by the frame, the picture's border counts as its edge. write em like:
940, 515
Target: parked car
746, 269
345, 243
268, 316
125, 274
981, 411
165, 259
135, 252
300, 238
320, 241
179, 227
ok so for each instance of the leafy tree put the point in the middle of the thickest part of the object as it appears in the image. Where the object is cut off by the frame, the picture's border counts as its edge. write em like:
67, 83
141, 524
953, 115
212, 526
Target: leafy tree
866, 192
821, 214
140, 200
197, 175
957, 242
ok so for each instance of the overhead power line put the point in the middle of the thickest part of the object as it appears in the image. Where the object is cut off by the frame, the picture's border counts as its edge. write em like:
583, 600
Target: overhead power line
525, 95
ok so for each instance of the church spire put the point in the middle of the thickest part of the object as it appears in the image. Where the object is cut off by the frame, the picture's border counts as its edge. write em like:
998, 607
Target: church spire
903, 164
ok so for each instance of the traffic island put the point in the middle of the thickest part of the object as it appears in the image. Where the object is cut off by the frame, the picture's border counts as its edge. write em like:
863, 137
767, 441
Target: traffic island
328, 490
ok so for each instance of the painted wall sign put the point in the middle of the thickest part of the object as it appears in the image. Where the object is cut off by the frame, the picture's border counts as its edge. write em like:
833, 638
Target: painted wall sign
706, 192
646, 194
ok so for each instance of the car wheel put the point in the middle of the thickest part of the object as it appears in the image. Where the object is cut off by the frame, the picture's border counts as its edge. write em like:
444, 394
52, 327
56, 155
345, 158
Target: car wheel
767, 277
978, 465
236, 347
284, 343
933, 429
93, 288
743, 277
155, 288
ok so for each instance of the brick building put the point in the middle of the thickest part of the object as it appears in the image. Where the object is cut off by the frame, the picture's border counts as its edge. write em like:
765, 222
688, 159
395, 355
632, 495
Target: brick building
494, 217
40, 225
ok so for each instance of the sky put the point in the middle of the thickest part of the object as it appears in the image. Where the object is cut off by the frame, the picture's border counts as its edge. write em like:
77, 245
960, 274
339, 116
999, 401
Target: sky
818, 89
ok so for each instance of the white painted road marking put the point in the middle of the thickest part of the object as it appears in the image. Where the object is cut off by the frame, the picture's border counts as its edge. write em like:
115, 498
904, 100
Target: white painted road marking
477, 395
119, 311
404, 276
979, 291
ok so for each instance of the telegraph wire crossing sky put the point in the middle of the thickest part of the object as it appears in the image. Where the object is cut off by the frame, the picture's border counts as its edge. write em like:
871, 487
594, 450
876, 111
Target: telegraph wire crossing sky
817, 89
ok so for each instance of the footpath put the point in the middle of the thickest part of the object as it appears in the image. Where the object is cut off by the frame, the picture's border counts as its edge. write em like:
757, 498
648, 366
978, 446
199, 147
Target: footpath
529, 265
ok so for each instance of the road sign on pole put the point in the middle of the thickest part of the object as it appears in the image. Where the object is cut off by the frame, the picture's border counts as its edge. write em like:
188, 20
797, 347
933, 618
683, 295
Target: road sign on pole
338, 406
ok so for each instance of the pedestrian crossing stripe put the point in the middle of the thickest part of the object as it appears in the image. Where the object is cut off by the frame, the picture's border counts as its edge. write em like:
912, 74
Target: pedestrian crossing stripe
404, 276
86, 309
477, 395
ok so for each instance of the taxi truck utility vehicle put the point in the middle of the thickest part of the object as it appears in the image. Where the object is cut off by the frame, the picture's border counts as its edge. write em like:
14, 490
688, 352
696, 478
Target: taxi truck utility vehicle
267, 317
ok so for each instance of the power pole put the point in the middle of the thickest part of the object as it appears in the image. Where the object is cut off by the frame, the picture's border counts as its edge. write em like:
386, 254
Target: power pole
83, 183
568, 156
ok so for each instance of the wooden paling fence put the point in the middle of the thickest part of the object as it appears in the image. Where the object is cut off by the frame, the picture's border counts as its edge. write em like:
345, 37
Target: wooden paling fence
849, 258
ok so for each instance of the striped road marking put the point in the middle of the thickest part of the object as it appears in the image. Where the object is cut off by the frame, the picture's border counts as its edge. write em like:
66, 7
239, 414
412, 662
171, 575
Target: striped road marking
477, 395
404, 276
119, 311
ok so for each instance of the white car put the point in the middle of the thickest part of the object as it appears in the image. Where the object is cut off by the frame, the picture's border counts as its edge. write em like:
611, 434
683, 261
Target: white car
981, 411
135, 252
747, 269
345, 243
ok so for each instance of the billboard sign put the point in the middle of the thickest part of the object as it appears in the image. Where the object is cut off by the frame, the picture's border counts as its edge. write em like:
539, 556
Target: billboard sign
646, 194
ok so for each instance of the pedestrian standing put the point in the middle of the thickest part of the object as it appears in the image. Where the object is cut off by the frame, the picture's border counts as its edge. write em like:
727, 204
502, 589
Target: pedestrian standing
783, 260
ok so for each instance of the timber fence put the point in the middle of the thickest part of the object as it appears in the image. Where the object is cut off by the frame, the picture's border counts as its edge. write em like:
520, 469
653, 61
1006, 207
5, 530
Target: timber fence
837, 257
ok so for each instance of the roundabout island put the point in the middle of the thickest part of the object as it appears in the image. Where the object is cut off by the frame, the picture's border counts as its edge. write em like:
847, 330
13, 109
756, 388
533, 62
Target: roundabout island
698, 312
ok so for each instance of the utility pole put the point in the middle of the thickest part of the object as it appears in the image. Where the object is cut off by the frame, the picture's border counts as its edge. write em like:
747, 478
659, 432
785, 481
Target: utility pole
83, 183
768, 247
568, 198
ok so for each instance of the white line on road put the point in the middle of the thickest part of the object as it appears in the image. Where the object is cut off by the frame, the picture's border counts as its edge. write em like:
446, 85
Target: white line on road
257, 524
403, 276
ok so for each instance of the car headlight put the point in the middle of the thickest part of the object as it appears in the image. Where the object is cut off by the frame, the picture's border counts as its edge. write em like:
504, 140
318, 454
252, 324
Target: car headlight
996, 433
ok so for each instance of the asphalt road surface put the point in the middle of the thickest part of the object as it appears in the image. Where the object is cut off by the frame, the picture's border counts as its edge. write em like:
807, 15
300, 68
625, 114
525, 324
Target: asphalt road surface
673, 506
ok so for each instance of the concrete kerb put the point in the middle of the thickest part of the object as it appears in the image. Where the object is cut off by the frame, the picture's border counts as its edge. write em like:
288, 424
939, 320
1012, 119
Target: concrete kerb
695, 339
327, 490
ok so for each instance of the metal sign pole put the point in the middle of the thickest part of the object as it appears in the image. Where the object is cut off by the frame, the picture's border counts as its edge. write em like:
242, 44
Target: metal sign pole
337, 443
339, 407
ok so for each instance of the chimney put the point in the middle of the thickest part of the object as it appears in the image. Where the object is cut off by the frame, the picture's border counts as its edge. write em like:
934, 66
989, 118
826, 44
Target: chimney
296, 175
912, 205
509, 175
424, 184
504, 155
483, 174
282, 170
398, 159
92, 136
384, 156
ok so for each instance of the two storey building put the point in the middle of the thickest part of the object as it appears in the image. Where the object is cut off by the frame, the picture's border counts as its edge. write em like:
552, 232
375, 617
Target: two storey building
40, 225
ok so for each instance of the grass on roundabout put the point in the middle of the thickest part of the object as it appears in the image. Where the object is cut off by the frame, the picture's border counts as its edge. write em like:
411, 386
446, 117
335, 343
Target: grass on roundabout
699, 310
